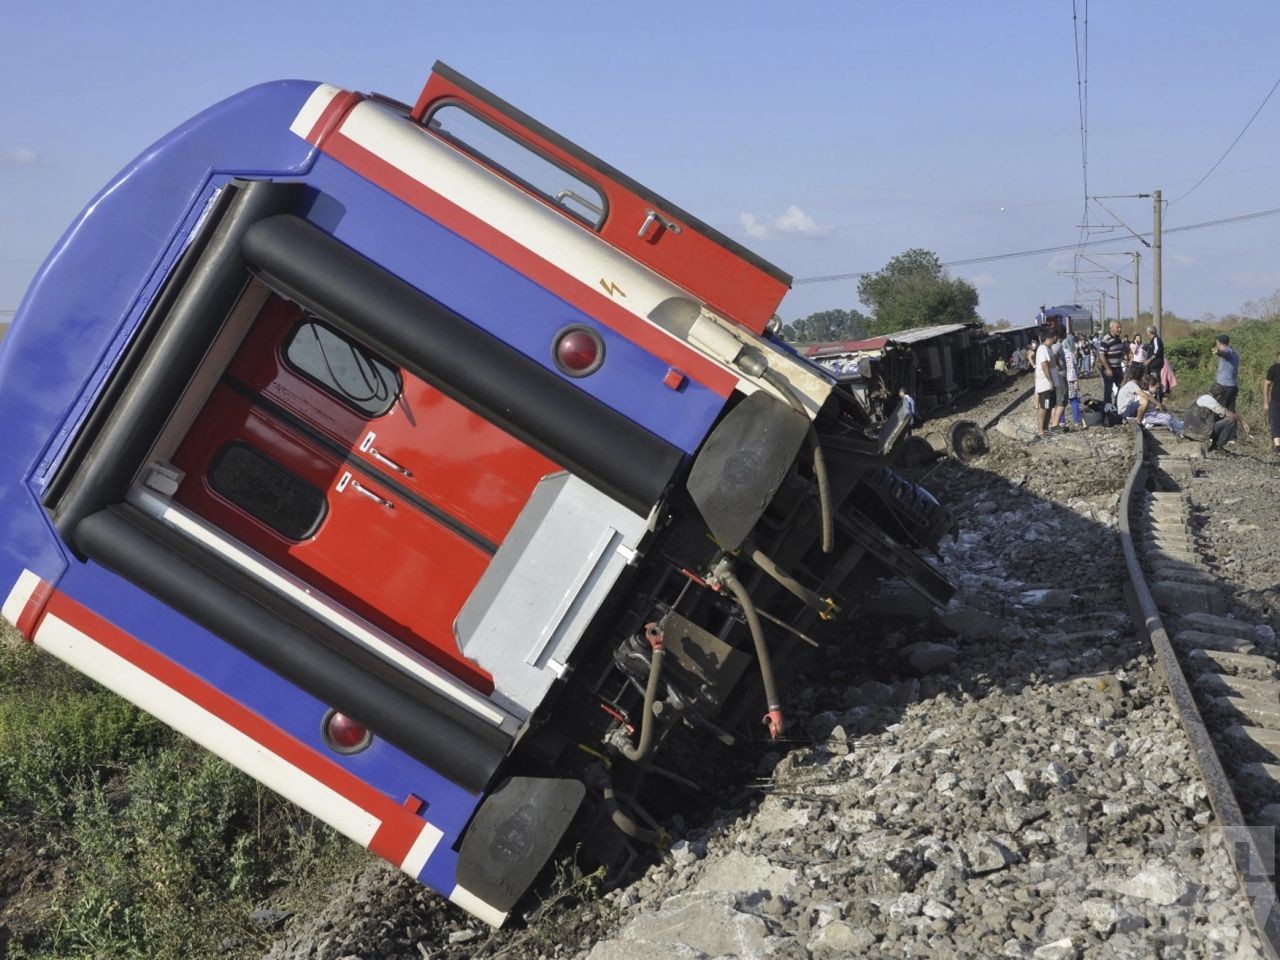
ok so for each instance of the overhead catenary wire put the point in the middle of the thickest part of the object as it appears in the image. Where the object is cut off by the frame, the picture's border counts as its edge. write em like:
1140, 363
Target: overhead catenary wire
1232, 146
970, 261
1082, 107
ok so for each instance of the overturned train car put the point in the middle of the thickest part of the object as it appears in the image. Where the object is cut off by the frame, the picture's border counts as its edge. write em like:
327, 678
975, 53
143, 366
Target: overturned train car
935, 364
435, 473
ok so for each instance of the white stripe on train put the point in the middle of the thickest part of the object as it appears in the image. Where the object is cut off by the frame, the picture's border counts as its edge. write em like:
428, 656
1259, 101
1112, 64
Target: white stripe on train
320, 98
16, 602
556, 239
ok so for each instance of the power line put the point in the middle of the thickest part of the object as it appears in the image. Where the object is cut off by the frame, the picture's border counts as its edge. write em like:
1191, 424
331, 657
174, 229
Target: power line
1082, 109
1233, 143
1258, 215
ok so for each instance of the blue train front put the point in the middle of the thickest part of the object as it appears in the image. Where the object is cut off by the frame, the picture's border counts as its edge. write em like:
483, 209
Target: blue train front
436, 474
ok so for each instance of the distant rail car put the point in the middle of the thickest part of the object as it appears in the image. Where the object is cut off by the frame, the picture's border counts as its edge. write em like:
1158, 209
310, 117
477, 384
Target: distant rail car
1070, 318
438, 475
935, 365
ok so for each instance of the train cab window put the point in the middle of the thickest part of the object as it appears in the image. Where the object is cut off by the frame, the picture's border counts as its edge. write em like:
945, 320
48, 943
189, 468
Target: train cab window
342, 368
513, 159
267, 491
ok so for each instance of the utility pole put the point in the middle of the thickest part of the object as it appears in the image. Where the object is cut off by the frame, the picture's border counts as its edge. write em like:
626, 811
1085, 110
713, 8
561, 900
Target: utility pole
1156, 315
1137, 261
1118, 314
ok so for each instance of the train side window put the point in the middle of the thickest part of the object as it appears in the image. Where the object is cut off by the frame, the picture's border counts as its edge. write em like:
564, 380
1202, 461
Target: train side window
342, 368
267, 491
513, 159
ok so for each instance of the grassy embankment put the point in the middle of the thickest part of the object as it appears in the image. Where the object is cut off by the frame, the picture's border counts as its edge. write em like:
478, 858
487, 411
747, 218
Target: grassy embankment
122, 839
1257, 342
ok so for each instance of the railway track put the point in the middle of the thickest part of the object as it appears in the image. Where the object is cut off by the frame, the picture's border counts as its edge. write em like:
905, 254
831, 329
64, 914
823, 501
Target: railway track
1224, 687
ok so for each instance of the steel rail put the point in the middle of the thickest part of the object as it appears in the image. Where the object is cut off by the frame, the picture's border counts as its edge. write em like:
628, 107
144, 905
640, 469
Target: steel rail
1252, 869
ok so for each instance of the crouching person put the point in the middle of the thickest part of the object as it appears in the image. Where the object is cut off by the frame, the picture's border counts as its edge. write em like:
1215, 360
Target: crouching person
1211, 422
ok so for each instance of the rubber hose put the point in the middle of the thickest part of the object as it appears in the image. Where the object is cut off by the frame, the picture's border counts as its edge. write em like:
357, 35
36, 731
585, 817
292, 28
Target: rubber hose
624, 822
819, 460
794, 586
641, 749
731, 581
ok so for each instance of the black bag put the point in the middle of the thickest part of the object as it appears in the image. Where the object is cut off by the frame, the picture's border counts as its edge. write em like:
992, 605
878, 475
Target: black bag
1198, 422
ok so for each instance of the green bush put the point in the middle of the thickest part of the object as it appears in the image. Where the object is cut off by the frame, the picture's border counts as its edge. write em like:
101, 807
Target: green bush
1257, 342
59, 729
167, 849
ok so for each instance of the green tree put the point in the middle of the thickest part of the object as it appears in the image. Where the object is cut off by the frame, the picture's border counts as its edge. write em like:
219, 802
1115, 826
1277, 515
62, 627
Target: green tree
914, 290
825, 326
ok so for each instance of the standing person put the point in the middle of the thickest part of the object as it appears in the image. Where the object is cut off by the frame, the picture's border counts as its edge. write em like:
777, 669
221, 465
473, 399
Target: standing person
1058, 369
1155, 361
1071, 356
1111, 350
1228, 369
1044, 385
909, 403
1139, 351
1271, 404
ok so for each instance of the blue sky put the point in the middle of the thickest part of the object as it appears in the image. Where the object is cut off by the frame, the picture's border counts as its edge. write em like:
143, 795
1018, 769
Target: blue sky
826, 136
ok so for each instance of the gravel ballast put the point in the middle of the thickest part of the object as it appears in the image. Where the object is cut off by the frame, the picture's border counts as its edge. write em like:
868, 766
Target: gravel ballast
1004, 778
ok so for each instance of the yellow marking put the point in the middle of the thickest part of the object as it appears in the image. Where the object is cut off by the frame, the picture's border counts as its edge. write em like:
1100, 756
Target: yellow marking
611, 288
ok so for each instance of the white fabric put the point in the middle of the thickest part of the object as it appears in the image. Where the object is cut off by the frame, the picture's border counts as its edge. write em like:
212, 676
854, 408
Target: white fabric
1043, 357
1207, 401
1128, 394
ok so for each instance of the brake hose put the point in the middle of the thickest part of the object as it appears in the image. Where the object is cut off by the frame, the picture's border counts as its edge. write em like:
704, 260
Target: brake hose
642, 748
819, 458
773, 718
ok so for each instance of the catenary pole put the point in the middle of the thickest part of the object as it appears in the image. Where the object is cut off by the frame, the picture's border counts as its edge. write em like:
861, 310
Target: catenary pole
1156, 279
1119, 312
1137, 261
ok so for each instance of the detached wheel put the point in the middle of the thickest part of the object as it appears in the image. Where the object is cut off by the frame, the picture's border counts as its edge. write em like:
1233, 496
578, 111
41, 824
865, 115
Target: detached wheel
966, 441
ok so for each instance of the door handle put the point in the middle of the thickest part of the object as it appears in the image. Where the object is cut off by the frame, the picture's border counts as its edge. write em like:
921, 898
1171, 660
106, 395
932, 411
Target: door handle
348, 481
652, 217
367, 446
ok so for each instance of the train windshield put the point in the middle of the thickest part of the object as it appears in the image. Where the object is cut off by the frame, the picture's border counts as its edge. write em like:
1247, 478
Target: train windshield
518, 162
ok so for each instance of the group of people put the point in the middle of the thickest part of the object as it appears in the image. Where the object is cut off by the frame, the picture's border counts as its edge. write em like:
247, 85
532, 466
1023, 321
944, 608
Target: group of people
1060, 360
1057, 371
1136, 382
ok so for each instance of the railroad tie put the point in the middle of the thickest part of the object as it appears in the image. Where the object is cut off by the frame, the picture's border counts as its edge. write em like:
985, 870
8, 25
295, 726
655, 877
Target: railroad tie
1254, 740
1250, 666
1262, 778
1193, 639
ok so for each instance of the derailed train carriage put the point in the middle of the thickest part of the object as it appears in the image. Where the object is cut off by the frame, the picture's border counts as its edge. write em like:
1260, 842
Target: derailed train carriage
936, 364
435, 473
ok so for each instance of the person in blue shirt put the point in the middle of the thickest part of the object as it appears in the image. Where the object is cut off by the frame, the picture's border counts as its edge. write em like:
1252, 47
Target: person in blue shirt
1228, 370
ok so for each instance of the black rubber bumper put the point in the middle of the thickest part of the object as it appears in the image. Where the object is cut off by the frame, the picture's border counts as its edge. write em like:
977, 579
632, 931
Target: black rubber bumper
550, 414
207, 590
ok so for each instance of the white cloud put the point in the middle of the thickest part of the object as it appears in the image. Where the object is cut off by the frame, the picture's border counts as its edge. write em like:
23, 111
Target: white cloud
19, 157
983, 280
793, 220
752, 226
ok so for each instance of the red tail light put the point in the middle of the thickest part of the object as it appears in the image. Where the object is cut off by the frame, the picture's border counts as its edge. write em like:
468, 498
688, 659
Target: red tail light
578, 351
344, 735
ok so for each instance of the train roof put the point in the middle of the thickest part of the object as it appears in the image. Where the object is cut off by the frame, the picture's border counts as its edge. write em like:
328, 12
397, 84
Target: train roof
919, 334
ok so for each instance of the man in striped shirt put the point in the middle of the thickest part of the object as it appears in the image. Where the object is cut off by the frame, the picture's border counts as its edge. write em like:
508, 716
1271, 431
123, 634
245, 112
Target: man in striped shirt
1111, 356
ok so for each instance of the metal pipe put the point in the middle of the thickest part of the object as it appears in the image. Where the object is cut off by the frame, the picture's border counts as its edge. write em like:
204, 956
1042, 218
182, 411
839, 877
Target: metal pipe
825, 608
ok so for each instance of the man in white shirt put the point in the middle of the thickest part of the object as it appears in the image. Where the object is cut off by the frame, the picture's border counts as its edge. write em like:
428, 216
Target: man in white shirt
1045, 394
